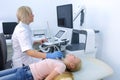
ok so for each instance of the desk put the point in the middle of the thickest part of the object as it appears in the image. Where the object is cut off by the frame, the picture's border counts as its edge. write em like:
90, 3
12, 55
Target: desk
10, 50
8, 42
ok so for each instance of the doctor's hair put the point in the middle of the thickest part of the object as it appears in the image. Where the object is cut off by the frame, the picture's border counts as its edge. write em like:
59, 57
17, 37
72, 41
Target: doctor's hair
23, 14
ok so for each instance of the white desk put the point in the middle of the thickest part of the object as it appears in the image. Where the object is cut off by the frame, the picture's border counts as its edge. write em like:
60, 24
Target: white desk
8, 42
9, 49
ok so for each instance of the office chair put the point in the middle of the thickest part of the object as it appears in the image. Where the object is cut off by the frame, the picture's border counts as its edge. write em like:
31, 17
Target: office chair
4, 64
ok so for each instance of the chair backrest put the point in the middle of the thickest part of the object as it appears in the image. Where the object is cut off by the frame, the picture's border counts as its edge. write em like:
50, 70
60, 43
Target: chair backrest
3, 51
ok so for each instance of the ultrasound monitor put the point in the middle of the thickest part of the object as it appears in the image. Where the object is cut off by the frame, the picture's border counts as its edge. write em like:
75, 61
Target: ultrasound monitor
65, 16
8, 28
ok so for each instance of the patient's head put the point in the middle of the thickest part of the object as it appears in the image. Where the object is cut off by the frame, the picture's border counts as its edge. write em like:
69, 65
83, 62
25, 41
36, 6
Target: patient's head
72, 62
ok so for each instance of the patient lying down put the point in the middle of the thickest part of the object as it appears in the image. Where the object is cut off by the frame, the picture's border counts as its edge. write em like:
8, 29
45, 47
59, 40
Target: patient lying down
46, 69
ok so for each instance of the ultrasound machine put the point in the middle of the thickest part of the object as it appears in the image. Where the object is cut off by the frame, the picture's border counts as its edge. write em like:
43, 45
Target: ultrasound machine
56, 43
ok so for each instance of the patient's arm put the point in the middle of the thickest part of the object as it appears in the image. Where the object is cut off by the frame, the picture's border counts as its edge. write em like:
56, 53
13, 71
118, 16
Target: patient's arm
52, 75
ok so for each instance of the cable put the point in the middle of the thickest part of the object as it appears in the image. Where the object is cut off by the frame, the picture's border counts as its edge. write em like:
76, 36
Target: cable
44, 49
48, 48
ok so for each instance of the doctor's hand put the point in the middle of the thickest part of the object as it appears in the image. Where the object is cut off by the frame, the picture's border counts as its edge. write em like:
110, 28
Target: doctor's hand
55, 55
43, 40
40, 41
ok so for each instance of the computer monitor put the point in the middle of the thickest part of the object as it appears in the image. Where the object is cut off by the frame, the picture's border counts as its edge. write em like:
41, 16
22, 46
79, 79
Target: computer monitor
8, 27
65, 16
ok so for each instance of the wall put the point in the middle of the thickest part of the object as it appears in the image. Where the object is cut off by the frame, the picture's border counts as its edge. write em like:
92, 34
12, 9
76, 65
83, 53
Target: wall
44, 11
104, 15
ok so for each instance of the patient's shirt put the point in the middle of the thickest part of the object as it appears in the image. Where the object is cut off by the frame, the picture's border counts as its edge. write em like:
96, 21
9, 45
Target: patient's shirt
42, 69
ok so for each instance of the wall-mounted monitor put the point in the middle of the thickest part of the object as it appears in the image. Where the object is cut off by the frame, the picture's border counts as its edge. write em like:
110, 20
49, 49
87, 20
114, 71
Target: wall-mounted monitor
65, 16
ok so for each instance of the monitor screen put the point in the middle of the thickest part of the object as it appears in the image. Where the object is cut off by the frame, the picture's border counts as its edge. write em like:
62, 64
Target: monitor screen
65, 16
8, 27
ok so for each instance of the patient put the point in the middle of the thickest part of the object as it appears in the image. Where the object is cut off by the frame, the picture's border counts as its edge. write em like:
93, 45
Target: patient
46, 69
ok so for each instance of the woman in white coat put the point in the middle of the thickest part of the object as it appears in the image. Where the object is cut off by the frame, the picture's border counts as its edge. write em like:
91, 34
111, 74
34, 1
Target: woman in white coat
22, 41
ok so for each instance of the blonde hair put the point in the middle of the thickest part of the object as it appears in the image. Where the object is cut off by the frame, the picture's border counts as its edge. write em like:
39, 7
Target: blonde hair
23, 14
64, 76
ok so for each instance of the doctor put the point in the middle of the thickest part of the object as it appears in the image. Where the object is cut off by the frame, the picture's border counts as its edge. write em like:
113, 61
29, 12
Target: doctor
22, 41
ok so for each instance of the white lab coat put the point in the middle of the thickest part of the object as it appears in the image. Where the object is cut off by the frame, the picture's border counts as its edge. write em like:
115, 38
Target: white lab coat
22, 41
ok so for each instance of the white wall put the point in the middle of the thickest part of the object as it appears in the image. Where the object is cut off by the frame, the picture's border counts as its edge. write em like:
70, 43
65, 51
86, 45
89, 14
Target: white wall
104, 15
43, 10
